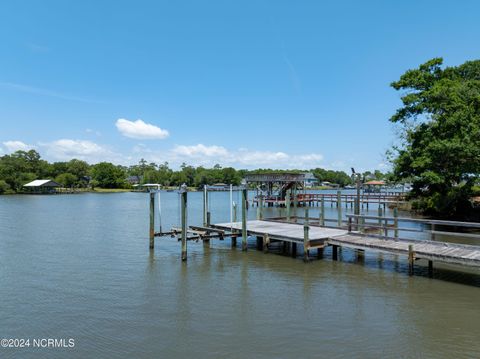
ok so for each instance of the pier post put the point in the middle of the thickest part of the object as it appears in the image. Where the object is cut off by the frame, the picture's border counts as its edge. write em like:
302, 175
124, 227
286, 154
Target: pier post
380, 215
411, 259
244, 219
395, 221
306, 229
294, 249
287, 203
205, 204
362, 224
266, 243
339, 208
357, 198
260, 207
206, 242
183, 194
430, 268
234, 239
152, 220
295, 202
322, 212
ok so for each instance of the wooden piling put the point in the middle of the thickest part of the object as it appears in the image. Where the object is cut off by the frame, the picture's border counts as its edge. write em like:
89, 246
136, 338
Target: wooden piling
234, 238
260, 208
362, 224
183, 194
395, 222
266, 243
322, 212
295, 202
287, 203
244, 219
306, 229
305, 242
380, 215
411, 259
294, 249
430, 268
339, 208
205, 205
152, 220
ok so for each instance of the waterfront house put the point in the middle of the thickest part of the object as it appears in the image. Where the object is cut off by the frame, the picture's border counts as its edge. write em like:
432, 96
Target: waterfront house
133, 180
310, 180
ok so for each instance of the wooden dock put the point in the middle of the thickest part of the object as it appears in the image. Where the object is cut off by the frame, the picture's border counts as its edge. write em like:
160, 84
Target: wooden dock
319, 237
288, 232
359, 232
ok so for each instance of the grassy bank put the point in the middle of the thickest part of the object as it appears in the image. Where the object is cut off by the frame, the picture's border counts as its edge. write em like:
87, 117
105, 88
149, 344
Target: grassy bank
110, 190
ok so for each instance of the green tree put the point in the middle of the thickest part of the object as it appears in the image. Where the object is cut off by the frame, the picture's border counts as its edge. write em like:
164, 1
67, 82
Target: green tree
108, 175
4, 187
78, 168
66, 179
440, 134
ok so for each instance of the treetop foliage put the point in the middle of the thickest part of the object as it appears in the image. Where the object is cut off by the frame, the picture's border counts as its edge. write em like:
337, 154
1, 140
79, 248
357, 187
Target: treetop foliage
440, 129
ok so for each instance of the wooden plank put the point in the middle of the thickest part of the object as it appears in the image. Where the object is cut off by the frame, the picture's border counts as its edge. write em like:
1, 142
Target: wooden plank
280, 230
439, 251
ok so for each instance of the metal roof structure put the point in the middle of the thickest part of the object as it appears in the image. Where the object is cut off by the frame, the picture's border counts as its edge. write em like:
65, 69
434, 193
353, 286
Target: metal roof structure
42, 183
275, 177
375, 183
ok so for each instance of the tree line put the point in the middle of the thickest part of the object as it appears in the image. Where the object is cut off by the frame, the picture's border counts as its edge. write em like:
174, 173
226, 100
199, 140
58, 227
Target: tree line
21, 167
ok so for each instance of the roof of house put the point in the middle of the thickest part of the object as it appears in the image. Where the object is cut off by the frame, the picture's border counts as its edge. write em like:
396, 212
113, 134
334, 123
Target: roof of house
42, 183
310, 176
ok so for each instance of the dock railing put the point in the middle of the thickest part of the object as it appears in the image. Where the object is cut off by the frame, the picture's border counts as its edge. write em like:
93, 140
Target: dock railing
392, 227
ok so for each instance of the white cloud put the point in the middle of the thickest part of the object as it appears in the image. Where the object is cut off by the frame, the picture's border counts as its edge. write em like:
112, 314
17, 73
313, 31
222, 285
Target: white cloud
13, 146
90, 131
66, 149
210, 155
140, 130
200, 150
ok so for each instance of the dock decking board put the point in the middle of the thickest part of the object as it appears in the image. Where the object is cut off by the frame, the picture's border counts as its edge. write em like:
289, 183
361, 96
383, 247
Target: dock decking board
430, 250
289, 232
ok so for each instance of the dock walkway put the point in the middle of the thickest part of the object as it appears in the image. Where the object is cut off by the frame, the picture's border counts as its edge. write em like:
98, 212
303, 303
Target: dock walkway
288, 232
321, 236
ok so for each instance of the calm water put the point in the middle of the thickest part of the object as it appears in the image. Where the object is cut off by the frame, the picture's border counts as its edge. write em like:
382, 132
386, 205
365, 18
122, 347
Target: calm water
78, 266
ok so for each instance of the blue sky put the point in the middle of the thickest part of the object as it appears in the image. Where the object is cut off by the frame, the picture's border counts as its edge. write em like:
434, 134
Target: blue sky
281, 84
